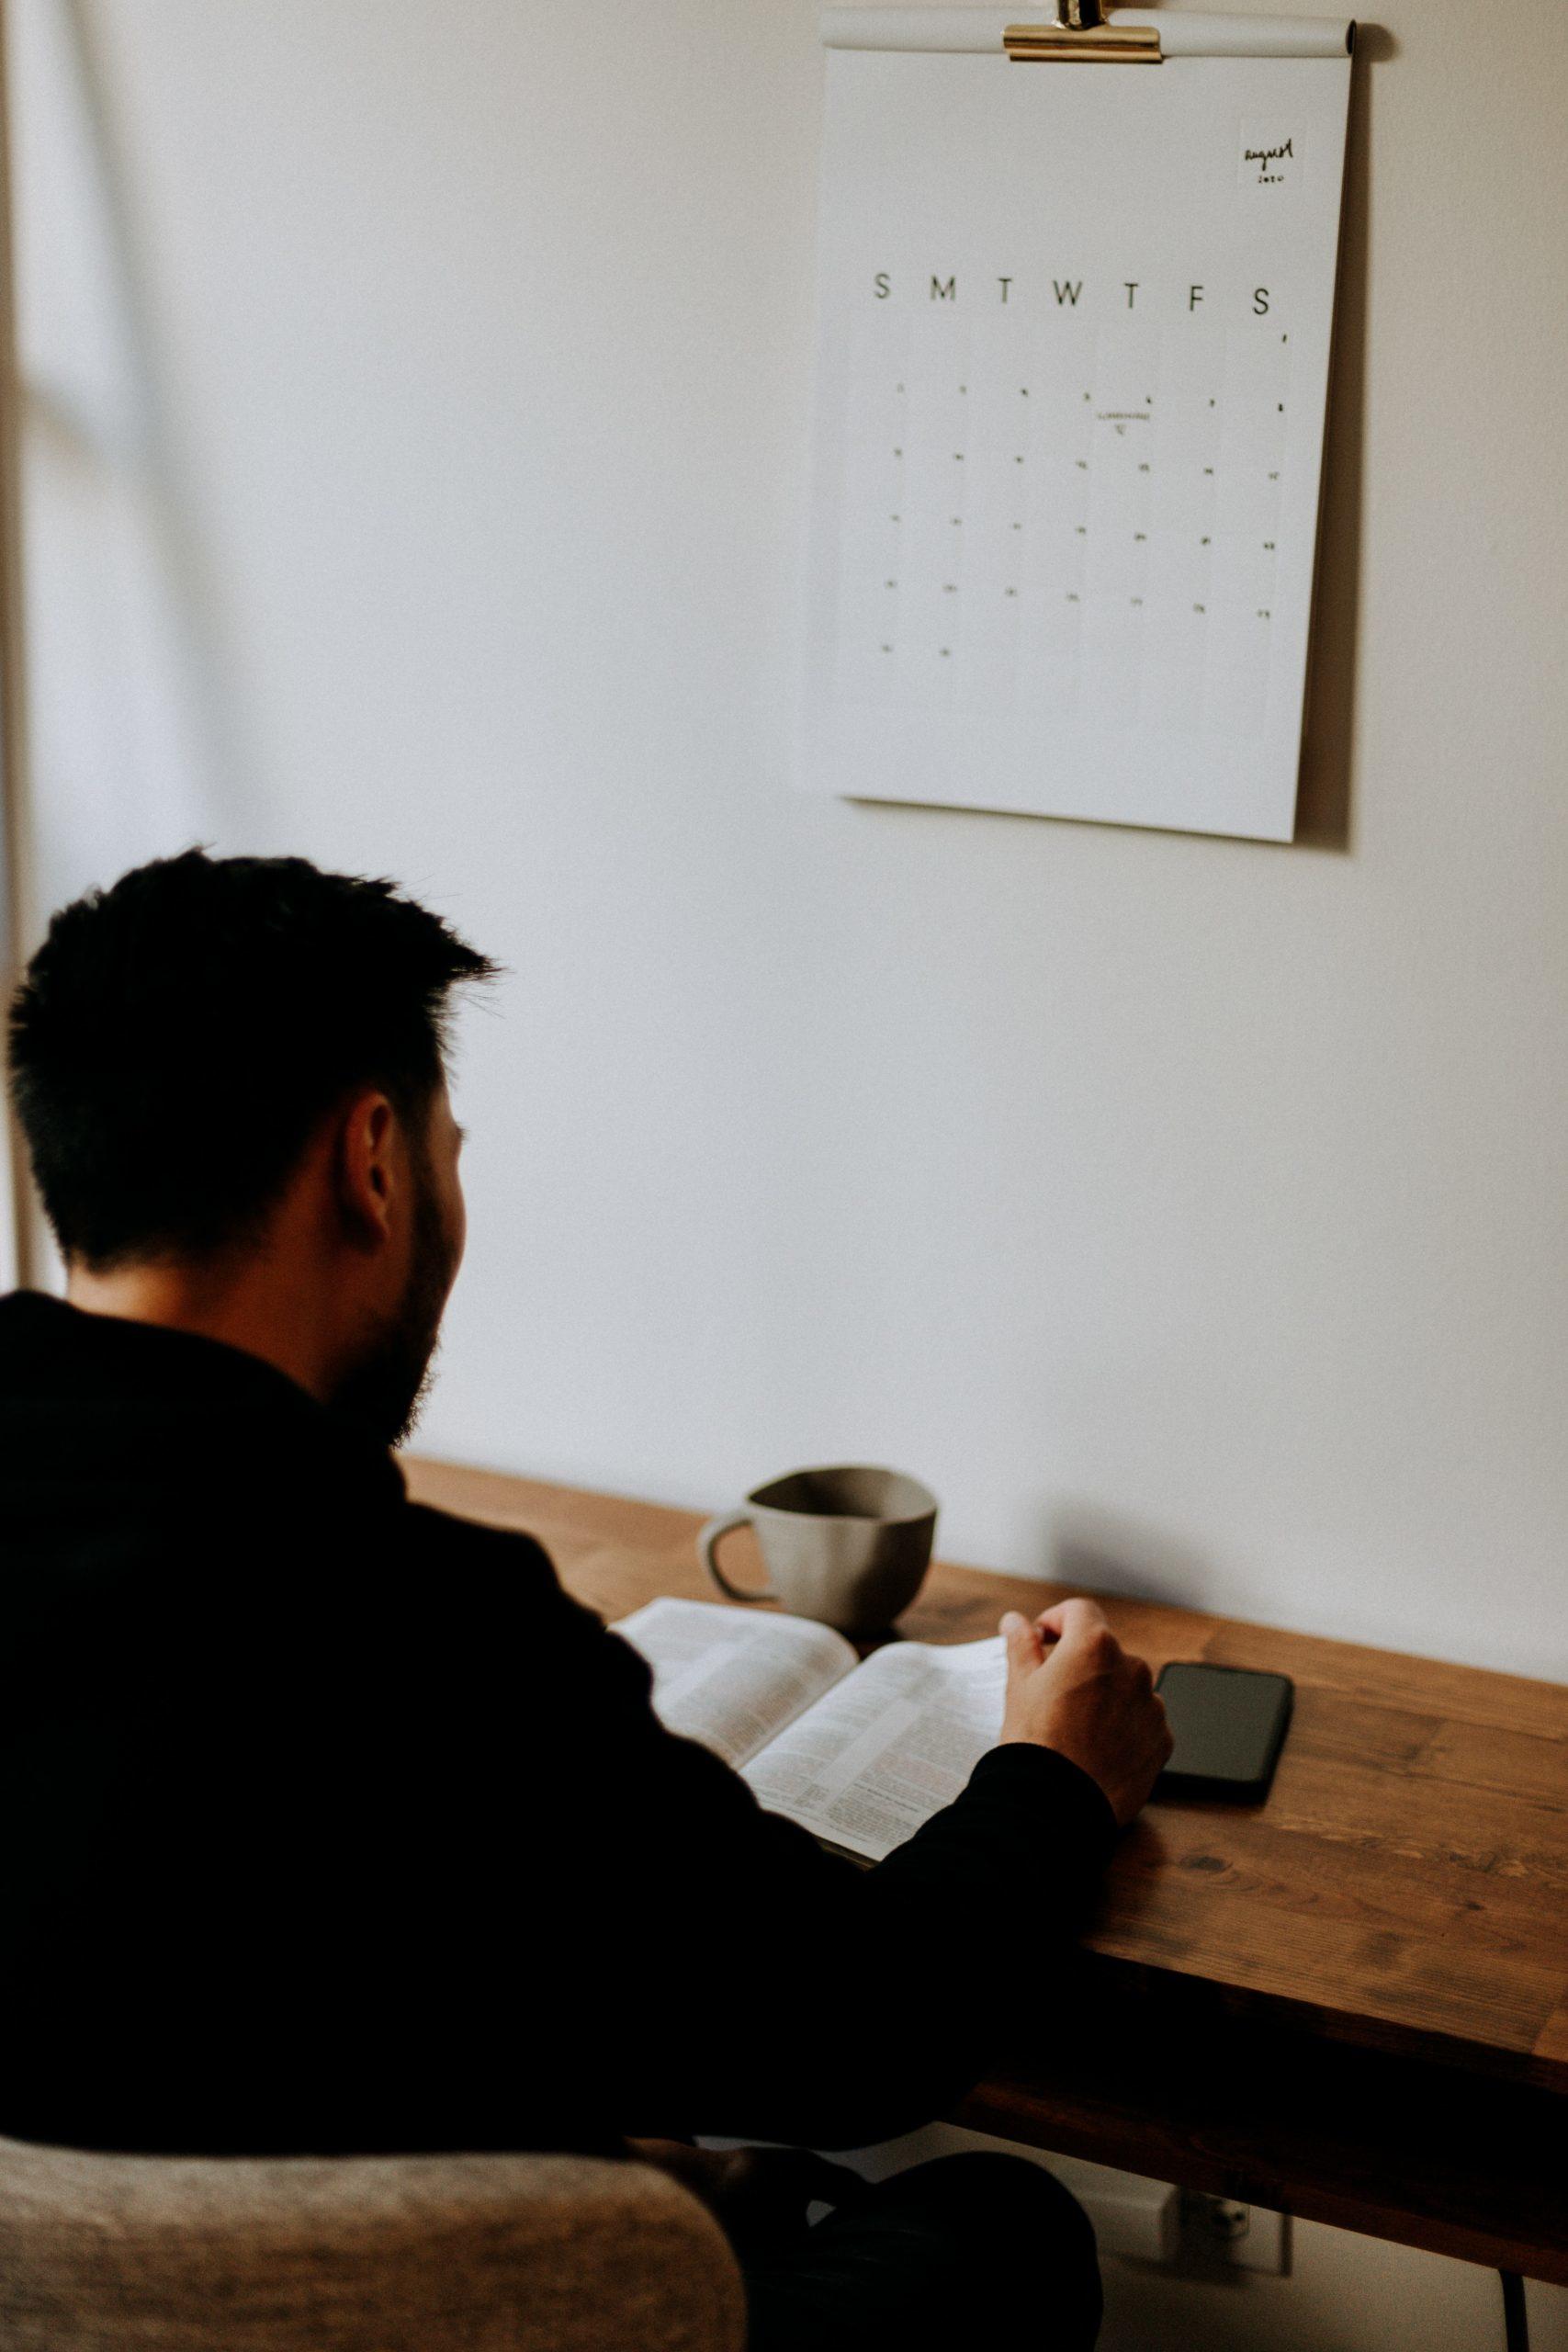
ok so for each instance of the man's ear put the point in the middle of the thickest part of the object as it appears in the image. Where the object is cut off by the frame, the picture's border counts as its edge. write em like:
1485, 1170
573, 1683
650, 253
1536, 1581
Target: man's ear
367, 1169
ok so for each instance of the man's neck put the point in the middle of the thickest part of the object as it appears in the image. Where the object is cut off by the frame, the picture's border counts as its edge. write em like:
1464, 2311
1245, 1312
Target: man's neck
250, 1305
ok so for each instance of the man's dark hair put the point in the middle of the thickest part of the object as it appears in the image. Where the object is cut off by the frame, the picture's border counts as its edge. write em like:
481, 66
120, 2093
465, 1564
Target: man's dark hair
177, 1039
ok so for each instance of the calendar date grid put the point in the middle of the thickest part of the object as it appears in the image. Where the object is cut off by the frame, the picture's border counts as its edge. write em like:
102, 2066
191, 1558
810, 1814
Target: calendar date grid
1065, 509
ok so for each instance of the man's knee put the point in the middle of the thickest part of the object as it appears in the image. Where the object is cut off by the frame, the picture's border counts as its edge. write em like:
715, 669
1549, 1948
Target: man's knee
1021, 2231
999, 2195
985, 2250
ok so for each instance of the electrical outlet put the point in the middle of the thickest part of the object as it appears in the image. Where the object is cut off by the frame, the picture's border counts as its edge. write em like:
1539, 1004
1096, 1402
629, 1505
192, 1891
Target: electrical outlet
1218, 2233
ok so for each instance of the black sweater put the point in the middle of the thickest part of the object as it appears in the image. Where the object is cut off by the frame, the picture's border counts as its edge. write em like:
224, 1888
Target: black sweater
330, 1822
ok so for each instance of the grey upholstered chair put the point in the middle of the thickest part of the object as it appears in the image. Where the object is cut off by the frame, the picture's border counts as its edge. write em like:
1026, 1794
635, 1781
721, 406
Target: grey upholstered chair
395, 2254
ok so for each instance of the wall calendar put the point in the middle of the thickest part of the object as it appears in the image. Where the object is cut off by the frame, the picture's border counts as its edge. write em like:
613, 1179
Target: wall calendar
1073, 364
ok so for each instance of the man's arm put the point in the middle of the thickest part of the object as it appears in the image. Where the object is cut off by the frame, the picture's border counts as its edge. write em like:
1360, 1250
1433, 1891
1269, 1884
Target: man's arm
760, 1986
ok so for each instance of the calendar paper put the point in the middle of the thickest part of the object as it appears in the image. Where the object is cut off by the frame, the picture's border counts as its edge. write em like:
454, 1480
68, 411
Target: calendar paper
1073, 365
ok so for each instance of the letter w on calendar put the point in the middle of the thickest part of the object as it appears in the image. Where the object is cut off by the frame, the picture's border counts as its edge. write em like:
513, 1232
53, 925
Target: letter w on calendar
1072, 365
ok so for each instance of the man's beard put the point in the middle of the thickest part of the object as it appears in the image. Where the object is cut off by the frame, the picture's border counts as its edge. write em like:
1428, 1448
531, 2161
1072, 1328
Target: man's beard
385, 1389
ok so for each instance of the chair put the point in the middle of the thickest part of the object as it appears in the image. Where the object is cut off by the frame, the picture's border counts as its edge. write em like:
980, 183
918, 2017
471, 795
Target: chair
364, 2254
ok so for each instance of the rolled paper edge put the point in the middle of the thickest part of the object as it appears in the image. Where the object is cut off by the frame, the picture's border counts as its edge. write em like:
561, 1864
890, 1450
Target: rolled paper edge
978, 31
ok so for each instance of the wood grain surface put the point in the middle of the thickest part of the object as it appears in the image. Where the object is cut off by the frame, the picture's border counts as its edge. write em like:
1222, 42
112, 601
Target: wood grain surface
1351, 2001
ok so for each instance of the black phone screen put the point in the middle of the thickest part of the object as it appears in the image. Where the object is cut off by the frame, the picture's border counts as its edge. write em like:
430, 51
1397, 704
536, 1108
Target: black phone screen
1228, 1724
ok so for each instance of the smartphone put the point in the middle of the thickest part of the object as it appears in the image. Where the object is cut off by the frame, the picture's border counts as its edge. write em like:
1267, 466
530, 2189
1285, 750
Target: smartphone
1229, 1724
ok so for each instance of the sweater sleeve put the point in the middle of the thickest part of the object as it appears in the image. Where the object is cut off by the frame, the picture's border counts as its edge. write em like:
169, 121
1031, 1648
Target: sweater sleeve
783, 1992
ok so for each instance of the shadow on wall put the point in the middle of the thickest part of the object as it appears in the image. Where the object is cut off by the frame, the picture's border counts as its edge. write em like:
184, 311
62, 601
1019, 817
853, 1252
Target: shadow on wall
1095, 1550
1322, 803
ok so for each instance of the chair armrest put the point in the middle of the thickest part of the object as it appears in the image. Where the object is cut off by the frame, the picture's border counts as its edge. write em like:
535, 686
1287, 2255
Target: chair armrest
399, 2254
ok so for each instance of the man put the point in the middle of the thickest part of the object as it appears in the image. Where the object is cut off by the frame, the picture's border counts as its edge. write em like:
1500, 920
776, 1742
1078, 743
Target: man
332, 1824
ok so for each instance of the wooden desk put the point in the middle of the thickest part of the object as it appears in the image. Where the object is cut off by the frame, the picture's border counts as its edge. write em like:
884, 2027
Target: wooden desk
1351, 2003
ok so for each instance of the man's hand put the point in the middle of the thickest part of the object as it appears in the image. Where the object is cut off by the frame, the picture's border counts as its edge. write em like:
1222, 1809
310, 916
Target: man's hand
1071, 1686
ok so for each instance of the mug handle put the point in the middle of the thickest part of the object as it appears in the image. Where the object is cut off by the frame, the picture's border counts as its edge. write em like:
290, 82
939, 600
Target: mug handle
707, 1551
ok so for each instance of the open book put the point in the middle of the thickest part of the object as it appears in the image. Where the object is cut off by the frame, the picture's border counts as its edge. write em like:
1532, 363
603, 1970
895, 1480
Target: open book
859, 1755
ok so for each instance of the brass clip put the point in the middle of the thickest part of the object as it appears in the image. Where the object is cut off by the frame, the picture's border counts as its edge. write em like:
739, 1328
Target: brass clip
1079, 34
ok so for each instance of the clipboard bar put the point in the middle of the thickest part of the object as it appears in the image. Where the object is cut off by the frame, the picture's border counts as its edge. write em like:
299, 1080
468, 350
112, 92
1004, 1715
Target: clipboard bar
1080, 34
981, 31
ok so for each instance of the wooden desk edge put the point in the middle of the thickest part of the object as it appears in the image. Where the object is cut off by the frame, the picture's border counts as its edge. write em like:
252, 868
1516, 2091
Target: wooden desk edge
1195, 2153
529, 1505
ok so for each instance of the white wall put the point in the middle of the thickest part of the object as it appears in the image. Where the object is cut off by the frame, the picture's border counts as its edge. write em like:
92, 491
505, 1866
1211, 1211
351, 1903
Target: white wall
1189, 1213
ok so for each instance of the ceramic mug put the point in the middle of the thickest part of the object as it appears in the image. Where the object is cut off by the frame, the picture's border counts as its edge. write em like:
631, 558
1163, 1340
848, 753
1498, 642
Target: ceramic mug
849, 1546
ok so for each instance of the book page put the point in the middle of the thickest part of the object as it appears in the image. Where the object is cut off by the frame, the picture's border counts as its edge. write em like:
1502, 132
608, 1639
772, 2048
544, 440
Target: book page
888, 1746
733, 1678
